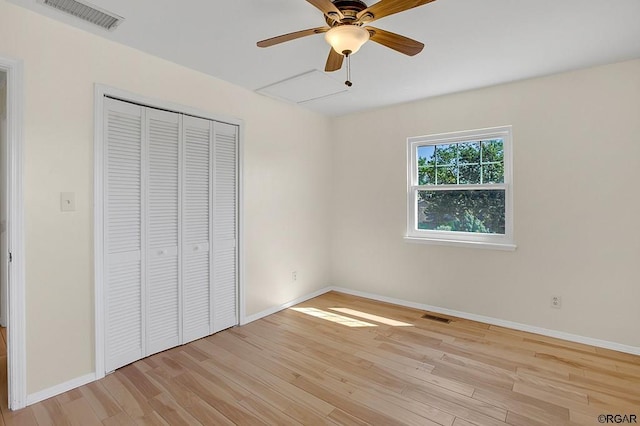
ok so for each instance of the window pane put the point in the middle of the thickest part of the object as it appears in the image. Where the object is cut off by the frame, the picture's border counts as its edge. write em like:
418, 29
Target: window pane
493, 151
426, 165
447, 175
462, 211
426, 153
469, 152
492, 173
469, 174
426, 175
447, 155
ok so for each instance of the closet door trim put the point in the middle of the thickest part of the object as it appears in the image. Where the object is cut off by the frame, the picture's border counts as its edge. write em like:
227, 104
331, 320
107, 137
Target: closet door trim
101, 92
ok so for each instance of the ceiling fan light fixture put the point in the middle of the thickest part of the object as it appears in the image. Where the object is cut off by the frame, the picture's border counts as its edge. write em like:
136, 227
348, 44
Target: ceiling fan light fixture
347, 39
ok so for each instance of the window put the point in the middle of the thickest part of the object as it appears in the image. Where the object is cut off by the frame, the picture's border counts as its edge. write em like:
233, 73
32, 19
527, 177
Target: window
460, 188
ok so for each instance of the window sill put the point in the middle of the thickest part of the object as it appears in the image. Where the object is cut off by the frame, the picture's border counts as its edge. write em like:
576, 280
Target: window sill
458, 243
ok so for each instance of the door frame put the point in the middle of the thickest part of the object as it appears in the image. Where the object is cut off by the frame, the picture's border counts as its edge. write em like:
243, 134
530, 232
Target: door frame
100, 91
16, 322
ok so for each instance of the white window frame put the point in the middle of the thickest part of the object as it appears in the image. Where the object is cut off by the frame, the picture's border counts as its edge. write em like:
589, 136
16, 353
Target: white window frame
469, 239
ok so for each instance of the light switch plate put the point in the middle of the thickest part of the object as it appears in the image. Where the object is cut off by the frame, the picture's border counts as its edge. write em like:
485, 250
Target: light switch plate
67, 201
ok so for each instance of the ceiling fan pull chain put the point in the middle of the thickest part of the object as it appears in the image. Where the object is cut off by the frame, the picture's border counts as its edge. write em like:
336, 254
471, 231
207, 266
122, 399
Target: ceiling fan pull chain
348, 82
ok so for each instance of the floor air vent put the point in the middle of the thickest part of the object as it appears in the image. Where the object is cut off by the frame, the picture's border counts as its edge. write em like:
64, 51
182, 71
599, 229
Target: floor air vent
436, 318
86, 12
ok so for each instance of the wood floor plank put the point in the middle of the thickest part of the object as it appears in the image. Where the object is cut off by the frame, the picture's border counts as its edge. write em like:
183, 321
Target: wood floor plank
50, 412
425, 410
346, 360
341, 418
523, 405
151, 419
461, 422
24, 417
543, 395
80, 413
272, 396
127, 396
186, 398
355, 409
219, 400
493, 416
171, 412
516, 419
231, 364
120, 419
100, 400
140, 381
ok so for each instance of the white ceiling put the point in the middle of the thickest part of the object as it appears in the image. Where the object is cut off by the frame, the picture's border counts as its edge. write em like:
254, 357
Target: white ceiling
468, 43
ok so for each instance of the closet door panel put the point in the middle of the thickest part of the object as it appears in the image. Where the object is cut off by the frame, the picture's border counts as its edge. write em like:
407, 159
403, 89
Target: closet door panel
163, 232
225, 276
196, 218
123, 233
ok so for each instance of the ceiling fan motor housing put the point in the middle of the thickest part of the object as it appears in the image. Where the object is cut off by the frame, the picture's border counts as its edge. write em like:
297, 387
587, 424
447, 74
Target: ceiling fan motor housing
349, 9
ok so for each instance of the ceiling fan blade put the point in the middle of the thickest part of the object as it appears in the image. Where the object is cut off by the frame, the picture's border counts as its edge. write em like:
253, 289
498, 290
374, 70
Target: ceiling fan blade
334, 61
291, 36
395, 41
328, 8
388, 7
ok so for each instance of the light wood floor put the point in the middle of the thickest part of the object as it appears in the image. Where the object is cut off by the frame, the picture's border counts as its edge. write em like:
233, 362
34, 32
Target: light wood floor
344, 360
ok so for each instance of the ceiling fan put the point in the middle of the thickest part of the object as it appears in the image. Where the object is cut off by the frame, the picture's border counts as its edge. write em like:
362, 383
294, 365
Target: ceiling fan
347, 29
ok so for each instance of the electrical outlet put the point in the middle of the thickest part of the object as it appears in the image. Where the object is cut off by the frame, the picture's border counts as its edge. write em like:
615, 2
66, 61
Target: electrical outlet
294, 276
556, 302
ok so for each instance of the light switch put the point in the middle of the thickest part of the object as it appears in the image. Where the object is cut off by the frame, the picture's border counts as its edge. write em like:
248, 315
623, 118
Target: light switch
67, 201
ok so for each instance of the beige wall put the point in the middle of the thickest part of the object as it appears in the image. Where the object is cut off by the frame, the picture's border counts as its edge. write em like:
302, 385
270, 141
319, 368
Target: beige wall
286, 152
576, 168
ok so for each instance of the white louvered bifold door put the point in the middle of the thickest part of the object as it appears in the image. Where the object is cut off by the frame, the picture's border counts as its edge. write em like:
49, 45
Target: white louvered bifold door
163, 232
225, 226
170, 230
196, 228
123, 233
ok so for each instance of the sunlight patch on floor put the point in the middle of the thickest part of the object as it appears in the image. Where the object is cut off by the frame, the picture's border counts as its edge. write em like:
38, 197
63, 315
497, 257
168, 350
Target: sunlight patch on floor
371, 317
330, 316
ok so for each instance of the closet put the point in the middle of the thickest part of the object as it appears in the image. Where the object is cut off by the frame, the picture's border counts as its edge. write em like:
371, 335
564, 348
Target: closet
170, 229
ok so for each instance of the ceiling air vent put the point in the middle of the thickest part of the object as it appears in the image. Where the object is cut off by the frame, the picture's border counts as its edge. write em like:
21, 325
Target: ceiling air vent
86, 12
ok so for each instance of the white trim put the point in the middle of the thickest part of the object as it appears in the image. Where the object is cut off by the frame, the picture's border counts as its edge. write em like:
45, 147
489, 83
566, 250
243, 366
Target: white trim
100, 91
16, 330
459, 243
98, 229
242, 310
605, 344
273, 310
61, 388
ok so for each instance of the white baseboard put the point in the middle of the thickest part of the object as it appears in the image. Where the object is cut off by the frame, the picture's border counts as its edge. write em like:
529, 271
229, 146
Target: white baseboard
634, 350
273, 310
61, 388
